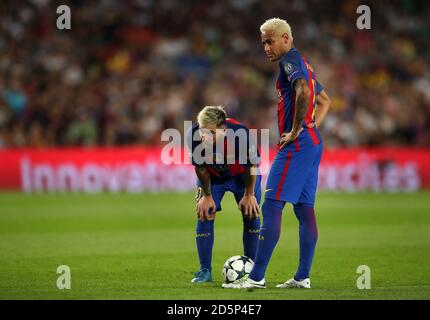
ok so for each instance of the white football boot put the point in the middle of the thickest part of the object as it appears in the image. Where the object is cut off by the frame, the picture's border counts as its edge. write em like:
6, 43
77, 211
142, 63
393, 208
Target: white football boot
292, 283
245, 283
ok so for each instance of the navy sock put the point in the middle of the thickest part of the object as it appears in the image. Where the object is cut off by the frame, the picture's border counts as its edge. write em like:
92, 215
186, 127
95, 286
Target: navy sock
205, 243
251, 229
268, 237
308, 235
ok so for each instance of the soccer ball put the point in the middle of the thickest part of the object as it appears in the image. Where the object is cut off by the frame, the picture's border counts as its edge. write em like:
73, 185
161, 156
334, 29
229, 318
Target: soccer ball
236, 267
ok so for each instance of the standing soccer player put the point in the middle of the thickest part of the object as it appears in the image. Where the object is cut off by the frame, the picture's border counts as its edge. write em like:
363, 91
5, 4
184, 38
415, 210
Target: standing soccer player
293, 177
225, 157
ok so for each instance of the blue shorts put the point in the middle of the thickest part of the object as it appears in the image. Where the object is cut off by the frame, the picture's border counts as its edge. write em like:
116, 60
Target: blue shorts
293, 176
235, 185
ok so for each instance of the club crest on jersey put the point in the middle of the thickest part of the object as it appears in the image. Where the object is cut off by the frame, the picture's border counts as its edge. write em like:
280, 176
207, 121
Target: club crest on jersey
288, 68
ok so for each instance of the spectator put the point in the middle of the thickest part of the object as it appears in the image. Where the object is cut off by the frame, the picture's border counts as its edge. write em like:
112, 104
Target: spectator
133, 68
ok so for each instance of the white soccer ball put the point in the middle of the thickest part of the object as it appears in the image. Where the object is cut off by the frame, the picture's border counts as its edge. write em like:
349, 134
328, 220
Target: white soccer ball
236, 267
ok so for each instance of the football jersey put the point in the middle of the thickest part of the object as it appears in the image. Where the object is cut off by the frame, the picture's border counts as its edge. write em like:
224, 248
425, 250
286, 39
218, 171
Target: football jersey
222, 171
293, 66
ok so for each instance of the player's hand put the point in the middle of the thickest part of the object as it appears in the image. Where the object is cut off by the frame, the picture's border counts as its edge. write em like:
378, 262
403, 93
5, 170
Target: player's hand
249, 206
206, 208
287, 138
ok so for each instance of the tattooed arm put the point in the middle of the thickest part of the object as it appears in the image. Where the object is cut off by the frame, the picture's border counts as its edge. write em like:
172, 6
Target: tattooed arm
205, 180
303, 95
248, 204
205, 207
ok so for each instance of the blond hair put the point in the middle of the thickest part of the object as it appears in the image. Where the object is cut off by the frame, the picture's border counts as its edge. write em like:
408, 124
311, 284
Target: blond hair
212, 115
278, 26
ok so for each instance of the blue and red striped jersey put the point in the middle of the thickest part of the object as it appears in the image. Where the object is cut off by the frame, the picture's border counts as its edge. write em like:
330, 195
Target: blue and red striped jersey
223, 171
293, 66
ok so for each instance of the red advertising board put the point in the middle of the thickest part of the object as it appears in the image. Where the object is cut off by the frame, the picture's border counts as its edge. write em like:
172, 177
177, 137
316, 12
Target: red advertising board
140, 169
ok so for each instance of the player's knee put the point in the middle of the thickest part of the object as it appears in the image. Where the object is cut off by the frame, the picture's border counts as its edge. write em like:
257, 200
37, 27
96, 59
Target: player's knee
210, 218
271, 206
302, 210
250, 224
204, 226
272, 215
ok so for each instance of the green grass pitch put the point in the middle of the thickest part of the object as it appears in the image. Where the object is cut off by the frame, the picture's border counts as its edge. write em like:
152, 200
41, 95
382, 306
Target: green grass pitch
142, 246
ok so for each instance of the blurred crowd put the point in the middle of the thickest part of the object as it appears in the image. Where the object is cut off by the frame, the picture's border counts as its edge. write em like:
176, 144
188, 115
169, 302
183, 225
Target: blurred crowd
129, 69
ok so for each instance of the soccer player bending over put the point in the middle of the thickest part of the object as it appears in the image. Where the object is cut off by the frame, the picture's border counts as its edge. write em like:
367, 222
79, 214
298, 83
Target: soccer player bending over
225, 159
293, 177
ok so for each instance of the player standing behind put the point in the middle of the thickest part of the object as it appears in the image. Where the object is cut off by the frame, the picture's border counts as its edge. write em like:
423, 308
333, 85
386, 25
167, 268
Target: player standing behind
215, 179
293, 177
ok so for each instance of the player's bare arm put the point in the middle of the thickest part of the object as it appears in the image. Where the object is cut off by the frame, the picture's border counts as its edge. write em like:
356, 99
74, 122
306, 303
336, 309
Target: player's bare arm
206, 202
323, 106
303, 95
248, 204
